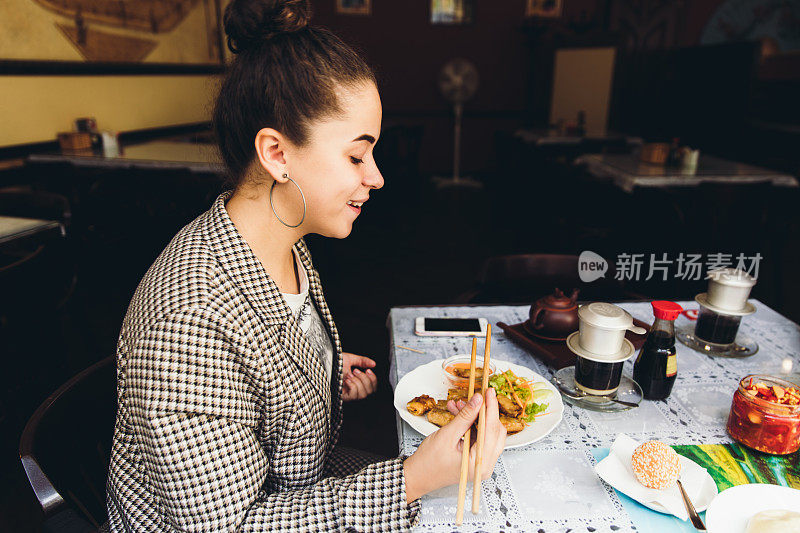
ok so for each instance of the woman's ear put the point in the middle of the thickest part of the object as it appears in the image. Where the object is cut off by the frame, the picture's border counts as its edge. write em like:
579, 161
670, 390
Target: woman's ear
270, 146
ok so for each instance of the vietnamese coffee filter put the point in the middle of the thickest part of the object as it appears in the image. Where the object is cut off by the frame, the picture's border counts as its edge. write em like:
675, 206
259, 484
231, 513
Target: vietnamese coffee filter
728, 289
602, 328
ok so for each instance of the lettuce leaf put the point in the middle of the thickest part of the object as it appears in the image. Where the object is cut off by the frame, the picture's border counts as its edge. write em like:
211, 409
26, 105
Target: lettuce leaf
534, 409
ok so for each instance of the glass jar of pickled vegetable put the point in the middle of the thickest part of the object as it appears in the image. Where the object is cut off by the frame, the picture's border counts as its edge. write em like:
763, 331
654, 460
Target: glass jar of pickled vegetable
765, 414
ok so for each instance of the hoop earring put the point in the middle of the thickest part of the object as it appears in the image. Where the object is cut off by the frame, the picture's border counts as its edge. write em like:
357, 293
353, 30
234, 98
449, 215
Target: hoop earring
303, 196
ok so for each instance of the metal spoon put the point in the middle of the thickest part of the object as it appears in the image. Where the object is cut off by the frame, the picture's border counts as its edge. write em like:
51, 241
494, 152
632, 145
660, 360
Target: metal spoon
621, 402
697, 522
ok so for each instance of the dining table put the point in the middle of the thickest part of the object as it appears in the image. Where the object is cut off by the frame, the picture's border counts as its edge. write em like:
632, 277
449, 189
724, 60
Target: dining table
161, 154
550, 485
15, 229
629, 172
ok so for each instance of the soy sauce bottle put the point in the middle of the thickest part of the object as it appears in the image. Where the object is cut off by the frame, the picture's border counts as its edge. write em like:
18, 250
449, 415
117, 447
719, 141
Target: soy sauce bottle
656, 367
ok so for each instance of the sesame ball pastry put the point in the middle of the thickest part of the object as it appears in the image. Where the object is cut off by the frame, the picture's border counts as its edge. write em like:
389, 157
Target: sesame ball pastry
656, 465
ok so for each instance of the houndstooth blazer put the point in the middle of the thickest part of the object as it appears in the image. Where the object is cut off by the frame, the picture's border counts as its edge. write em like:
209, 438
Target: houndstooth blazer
226, 420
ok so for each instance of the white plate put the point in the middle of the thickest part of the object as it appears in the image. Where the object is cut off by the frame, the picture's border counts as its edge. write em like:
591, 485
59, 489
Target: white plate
733, 508
428, 379
707, 493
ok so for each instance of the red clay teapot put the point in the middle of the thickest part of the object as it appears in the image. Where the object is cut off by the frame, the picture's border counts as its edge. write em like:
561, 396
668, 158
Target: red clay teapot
554, 316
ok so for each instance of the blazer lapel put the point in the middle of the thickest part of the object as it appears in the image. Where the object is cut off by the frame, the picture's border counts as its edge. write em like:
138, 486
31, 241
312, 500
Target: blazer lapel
261, 292
301, 353
315, 289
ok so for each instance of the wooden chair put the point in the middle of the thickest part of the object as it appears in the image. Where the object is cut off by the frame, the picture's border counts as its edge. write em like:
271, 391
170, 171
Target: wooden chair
65, 449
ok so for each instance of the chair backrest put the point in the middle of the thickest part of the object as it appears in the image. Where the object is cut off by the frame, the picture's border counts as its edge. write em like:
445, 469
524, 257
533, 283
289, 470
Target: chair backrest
66, 444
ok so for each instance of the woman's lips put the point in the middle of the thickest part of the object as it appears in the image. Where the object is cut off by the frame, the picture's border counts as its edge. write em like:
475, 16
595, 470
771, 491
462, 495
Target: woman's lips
355, 205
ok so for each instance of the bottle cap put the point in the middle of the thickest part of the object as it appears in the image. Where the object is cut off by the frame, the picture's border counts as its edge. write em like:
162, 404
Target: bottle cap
666, 310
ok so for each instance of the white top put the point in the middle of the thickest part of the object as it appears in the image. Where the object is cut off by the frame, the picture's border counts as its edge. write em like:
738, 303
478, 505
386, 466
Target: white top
310, 322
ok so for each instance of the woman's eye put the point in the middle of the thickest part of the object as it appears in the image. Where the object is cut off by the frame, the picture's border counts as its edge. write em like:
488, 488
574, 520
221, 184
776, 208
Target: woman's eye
355, 160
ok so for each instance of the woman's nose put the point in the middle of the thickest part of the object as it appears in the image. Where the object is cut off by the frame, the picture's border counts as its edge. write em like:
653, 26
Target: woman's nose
373, 177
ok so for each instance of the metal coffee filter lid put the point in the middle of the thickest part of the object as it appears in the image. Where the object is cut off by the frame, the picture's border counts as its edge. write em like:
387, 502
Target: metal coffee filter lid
731, 277
606, 316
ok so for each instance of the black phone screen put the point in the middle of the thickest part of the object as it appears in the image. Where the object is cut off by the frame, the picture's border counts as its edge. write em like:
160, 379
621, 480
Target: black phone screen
453, 324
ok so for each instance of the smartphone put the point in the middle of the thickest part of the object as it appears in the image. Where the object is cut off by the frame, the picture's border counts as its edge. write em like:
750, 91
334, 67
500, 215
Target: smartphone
451, 327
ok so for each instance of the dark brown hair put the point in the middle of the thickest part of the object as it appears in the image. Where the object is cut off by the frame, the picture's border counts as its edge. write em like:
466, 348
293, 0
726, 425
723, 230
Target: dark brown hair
285, 75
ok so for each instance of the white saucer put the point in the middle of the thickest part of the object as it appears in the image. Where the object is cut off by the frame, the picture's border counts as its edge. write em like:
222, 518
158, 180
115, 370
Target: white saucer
734, 507
622, 355
702, 299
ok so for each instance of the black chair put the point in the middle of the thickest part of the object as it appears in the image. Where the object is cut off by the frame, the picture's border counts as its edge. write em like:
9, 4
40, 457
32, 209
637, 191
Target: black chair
526, 277
65, 449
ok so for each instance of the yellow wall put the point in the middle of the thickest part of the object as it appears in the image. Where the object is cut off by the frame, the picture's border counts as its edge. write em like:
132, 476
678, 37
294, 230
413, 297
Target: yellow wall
582, 82
35, 108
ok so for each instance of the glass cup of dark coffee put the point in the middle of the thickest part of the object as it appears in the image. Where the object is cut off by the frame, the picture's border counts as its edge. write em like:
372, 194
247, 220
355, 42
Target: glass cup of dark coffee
722, 307
716, 328
598, 376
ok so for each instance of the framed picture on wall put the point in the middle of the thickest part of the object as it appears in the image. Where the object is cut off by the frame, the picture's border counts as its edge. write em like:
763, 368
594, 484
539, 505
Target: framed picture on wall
98, 36
354, 7
452, 12
544, 8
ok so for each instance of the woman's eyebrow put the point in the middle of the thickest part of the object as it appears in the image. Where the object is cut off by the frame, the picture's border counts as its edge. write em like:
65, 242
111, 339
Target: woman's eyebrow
365, 137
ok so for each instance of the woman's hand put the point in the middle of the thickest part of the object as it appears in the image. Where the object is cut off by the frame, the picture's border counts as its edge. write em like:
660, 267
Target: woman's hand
437, 461
357, 384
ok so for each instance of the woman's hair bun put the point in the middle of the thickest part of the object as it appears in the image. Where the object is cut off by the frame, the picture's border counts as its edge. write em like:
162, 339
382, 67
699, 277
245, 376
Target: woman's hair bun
249, 23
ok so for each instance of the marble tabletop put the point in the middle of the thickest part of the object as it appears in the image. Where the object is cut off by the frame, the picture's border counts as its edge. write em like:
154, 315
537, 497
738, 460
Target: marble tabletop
13, 228
629, 172
550, 485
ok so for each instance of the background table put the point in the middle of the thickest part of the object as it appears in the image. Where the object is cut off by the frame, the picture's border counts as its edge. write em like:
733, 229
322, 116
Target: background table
629, 172
151, 155
550, 485
17, 228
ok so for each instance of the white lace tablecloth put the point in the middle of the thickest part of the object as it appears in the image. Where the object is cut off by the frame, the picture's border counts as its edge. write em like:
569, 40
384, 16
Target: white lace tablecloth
550, 485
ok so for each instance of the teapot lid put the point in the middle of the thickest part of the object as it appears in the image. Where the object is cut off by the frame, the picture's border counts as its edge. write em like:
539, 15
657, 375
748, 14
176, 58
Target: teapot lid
605, 315
559, 300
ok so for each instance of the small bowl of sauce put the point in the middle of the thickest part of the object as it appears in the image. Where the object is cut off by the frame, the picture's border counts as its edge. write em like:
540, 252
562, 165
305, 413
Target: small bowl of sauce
456, 370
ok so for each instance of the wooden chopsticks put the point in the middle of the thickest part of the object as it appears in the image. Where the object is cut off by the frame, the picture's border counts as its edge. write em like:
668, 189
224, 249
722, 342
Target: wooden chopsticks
462, 480
476, 482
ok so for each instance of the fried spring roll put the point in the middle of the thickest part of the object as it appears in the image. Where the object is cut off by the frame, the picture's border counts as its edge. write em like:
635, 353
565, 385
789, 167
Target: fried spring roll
464, 373
457, 394
508, 406
421, 405
440, 417
441, 404
512, 425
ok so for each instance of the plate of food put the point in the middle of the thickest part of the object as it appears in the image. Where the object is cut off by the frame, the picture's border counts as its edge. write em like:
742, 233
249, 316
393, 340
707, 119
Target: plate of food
530, 406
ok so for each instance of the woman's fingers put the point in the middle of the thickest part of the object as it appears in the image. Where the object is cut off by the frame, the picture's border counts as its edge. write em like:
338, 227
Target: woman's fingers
360, 361
373, 379
455, 406
368, 381
464, 419
494, 438
359, 387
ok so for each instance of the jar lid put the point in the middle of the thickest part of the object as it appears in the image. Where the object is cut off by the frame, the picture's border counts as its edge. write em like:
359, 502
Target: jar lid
605, 315
666, 310
732, 277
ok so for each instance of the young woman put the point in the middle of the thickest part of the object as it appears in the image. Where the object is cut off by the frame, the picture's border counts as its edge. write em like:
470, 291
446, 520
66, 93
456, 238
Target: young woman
230, 371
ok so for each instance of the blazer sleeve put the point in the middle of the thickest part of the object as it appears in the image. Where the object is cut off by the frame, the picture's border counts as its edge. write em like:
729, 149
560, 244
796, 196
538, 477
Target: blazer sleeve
195, 424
